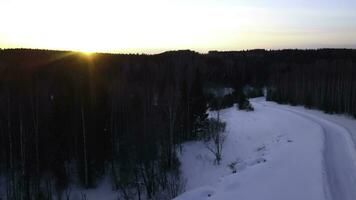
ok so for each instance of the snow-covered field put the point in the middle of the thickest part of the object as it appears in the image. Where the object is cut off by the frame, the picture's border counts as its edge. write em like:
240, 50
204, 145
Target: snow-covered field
283, 152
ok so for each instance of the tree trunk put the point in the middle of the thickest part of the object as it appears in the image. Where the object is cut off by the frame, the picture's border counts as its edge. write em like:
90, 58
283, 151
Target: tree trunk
84, 149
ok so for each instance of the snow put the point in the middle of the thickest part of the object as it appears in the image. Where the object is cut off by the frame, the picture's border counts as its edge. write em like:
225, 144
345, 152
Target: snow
221, 91
2, 187
340, 160
103, 191
282, 152
307, 154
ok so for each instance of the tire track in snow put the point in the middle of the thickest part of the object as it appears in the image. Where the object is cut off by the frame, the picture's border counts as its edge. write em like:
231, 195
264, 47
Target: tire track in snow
339, 156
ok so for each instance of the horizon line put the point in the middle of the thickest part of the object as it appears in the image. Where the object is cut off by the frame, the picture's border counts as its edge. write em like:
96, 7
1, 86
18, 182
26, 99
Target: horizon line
177, 50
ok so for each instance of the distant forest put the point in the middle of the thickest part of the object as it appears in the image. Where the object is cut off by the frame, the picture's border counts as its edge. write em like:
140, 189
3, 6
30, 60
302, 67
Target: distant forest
68, 118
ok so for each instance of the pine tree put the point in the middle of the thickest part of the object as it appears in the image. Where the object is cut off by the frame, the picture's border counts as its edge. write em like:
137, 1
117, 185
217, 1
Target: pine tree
242, 101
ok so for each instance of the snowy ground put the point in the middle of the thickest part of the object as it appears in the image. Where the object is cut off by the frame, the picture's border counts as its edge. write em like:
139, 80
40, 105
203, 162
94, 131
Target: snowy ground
284, 152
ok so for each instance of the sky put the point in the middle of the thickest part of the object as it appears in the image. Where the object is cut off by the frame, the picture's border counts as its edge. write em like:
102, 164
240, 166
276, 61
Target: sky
152, 26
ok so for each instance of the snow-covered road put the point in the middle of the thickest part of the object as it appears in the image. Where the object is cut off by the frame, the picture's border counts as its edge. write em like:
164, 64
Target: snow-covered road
339, 155
309, 155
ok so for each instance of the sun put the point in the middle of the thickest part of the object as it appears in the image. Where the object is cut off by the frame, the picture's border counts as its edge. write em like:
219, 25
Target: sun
87, 53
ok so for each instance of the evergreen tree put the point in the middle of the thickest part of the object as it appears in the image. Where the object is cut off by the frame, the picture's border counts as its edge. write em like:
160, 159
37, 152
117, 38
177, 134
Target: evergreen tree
242, 101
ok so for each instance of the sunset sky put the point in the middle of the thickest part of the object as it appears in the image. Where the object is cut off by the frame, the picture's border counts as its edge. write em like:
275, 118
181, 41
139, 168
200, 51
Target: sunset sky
142, 26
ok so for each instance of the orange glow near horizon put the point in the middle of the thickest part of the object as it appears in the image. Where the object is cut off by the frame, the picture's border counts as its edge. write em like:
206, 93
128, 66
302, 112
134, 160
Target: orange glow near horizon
87, 53
140, 26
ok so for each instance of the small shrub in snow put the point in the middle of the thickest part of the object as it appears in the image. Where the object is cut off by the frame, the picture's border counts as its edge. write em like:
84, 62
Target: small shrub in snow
246, 105
261, 148
233, 166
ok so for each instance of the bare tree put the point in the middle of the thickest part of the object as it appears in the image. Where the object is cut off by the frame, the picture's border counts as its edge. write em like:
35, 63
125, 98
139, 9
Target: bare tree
175, 185
216, 138
215, 131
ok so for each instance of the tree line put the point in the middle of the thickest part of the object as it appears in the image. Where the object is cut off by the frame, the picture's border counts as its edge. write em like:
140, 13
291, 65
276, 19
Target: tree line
70, 119
327, 84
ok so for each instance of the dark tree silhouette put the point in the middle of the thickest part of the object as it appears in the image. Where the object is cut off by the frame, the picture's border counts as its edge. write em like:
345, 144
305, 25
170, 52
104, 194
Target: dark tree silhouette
67, 117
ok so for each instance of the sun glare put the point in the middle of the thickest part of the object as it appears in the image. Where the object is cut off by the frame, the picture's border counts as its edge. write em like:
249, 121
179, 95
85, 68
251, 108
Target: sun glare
86, 53
151, 26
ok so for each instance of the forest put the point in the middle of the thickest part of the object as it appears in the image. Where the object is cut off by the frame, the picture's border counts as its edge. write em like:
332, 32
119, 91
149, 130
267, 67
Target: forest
67, 118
